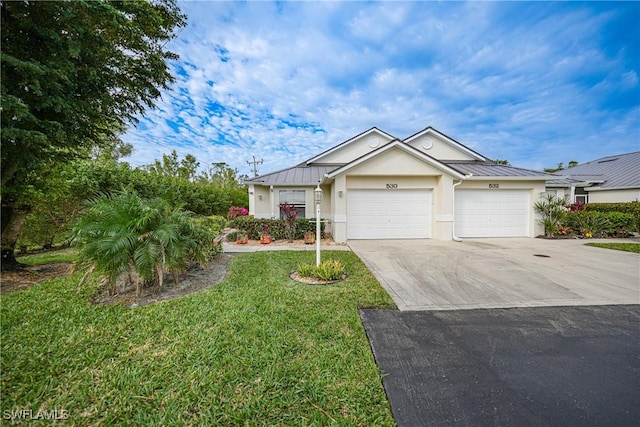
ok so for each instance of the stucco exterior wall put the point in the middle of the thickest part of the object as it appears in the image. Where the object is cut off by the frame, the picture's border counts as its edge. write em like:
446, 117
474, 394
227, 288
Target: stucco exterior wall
260, 201
339, 200
613, 196
354, 149
394, 162
440, 150
269, 206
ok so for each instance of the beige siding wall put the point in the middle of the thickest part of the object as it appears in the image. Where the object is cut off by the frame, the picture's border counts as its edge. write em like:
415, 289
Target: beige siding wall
613, 196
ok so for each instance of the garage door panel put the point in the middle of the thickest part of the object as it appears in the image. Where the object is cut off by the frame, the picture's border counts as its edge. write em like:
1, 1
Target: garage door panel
388, 214
490, 213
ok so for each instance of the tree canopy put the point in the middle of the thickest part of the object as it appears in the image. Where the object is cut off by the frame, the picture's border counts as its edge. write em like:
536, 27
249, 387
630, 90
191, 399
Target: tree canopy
561, 167
74, 74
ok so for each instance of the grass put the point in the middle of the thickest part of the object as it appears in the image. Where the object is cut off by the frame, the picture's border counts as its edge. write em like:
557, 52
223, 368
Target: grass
627, 247
61, 255
257, 349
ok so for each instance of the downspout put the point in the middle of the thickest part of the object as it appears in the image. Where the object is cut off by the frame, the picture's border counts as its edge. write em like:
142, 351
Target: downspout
453, 223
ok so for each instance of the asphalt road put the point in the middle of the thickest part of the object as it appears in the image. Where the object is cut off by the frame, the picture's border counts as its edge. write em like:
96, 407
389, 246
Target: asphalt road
544, 366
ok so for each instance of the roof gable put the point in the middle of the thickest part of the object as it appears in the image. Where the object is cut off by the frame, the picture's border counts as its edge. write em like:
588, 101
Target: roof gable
353, 148
396, 145
440, 146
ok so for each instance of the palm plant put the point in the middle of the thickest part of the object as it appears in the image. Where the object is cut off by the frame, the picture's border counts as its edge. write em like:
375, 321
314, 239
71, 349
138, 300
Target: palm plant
125, 235
552, 209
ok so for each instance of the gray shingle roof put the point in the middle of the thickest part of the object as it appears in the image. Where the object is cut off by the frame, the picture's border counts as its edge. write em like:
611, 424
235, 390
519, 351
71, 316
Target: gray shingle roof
621, 171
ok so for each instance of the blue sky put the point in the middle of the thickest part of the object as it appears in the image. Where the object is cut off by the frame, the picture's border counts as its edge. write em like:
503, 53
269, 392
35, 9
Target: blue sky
533, 83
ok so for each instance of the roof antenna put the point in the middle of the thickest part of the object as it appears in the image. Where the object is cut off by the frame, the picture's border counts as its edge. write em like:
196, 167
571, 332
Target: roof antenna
255, 164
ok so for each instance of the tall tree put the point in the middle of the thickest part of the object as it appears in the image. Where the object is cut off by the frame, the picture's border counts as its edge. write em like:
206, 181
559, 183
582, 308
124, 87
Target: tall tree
73, 75
171, 165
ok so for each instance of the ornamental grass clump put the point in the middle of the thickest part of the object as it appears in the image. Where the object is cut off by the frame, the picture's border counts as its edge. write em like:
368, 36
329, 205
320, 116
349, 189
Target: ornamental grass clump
327, 270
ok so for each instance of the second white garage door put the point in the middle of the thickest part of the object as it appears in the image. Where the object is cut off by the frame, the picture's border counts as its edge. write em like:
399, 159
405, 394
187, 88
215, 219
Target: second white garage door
388, 214
492, 213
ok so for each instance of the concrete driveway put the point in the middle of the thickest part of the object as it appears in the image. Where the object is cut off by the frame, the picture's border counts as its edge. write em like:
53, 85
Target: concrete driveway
499, 273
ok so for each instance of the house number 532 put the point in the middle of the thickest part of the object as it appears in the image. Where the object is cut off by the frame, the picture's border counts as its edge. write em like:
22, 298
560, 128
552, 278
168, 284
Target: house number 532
392, 186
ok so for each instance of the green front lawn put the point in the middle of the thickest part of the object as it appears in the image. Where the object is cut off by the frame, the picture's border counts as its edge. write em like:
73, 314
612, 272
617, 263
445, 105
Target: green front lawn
257, 349
48, 257
627, 247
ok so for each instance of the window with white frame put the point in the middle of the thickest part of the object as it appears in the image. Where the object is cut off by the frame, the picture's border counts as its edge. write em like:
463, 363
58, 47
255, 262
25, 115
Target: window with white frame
295, 198
581, 198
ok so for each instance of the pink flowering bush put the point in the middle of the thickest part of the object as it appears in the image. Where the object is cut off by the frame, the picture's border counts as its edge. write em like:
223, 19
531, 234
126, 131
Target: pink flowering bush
236, 211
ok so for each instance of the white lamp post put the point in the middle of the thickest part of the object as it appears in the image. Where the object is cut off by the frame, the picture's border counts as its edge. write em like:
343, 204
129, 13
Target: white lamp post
317, 194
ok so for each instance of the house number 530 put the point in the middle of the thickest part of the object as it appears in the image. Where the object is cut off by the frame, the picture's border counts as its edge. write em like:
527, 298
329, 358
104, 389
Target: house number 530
392, 186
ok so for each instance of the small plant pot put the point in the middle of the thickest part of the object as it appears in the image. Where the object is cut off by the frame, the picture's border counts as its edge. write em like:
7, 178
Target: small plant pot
242, 240
309, 238
265, 239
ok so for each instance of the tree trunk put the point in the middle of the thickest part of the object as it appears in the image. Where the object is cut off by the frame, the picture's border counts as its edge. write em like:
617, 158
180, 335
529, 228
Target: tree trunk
13, 218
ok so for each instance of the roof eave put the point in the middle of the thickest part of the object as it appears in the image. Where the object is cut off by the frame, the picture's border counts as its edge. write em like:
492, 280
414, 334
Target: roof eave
612, 188
506, 178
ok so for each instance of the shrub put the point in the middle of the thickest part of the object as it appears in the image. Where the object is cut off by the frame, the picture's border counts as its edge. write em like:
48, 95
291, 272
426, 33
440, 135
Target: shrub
632, 208
327, 270
619, 224
218, 223
590, 224
587, 224
553, 211
236, 211
126, 236
277, 230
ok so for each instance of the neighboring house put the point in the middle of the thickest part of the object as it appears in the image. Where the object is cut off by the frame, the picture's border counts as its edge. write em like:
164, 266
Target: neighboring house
609, 179
427, 186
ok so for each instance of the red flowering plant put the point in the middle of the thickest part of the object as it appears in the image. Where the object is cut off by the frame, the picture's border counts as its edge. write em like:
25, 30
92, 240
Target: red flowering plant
236, 211
576, 207
289, 214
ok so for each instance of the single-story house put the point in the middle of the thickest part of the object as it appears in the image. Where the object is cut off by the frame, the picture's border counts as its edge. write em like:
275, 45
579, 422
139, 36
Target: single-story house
605, 180
428, 185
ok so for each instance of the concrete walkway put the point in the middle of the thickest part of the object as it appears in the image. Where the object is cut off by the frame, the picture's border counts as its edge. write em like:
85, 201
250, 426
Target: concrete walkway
500, 273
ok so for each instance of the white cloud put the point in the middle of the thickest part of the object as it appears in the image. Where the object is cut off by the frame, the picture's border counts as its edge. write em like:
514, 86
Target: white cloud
285, 81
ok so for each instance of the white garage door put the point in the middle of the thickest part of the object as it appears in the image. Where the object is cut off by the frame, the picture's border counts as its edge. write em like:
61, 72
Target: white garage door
492, 213
388, 214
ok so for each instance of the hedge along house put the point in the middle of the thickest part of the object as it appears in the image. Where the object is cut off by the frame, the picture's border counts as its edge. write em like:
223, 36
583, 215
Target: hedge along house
426, 186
